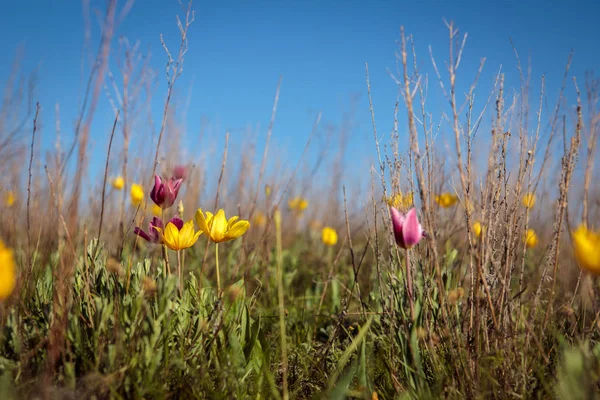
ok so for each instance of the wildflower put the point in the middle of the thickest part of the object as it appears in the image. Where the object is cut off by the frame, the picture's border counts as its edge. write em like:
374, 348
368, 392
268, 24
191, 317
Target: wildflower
8, 277
531, 239
400, 201
156, 210
446, 200
118, 183
10, 199
586, 245
259, 219
329, 236
297, 204
137, 194
529, 200
407, 229
179, 238
267, 190
152, 236
219, 229
477, 228
164, 193
180, 172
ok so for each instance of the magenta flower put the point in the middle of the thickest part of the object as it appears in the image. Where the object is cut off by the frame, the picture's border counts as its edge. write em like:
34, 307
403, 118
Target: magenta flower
165, 192
152, 236
407, 229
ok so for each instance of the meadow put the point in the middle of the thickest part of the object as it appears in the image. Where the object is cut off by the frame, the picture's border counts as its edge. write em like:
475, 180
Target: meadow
456, 272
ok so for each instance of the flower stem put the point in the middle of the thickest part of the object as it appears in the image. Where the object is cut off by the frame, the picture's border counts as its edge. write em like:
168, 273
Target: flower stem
218, 271
179, 271
409, 287
166, 257
165, 251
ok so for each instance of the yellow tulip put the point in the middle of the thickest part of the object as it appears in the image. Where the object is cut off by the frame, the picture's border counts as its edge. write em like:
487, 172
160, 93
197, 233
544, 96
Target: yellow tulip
586, 245
267, 190
176, 239
446, 200
118, 183
137, 194
10, 199
156, 210
529, 200
329, 236
297, 204
477, 228
531, 239
400, 201
8, 277
260, 219
218, 228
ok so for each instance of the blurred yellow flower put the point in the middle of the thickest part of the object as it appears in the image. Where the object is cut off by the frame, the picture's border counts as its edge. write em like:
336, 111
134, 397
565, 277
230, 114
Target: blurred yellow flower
137, 194
8, 277
297, 204
477, 228
118, 183
400, 201
529, 200
531, 238
446, 200
176, 239
180, 208
329, 236
260, 218
267, 190
586, 245
10, 198
156, 210
218, 228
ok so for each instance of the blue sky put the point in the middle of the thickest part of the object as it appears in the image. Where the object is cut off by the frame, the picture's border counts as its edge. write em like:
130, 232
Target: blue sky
238, 50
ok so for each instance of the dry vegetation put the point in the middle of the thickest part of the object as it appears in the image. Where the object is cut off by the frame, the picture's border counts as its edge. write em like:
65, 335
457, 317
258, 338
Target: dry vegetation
472, 311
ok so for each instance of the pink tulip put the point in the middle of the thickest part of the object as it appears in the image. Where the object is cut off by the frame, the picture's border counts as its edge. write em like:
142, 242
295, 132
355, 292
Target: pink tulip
407, 229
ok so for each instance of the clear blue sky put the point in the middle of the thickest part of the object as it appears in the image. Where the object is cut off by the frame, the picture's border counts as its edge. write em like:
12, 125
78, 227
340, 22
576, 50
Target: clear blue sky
237, 50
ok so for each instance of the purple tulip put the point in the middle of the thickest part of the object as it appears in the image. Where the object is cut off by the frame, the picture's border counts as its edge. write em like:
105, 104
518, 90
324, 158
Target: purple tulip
165, 192
407, 229
152, 236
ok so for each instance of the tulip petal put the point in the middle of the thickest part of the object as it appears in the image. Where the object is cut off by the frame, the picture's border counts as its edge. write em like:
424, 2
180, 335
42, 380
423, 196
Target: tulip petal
397, 224
171, 236
142, 234
412, 232
232, 220
201, 221
237, 230
219, 227
178, 222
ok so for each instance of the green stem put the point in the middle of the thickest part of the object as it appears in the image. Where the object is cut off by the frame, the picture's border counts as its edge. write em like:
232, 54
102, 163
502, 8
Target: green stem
179, 271
409, 285
218, 271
